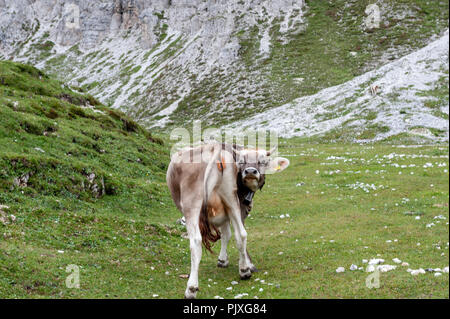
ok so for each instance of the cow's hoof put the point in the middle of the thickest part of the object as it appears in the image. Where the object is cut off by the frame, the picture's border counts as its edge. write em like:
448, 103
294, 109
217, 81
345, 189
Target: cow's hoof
191, 292
245, 273
222, 263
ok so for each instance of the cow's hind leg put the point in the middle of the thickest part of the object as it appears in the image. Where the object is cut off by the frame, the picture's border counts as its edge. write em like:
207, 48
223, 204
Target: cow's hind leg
195, 242
225, 231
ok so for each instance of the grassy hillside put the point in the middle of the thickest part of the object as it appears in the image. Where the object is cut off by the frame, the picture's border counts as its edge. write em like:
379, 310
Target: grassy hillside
73, 175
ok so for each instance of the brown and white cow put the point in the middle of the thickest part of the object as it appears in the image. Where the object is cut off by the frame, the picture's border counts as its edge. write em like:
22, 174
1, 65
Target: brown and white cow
212, 185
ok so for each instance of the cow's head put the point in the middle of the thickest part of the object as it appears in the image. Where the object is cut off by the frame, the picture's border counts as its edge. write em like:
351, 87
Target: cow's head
254, 164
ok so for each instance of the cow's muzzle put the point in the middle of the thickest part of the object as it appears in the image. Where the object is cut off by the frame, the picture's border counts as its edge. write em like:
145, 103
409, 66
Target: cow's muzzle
250, 178
251, 171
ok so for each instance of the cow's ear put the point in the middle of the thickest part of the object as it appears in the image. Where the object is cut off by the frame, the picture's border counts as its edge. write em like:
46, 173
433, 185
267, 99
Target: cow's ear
278, 164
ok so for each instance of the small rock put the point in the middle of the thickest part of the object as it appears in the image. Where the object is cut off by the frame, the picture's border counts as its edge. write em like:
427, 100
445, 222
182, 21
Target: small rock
415, 272
376, 261
340, 269
386, 268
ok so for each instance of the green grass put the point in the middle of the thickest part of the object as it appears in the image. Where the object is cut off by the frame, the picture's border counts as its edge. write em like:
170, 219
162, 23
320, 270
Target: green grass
123, 236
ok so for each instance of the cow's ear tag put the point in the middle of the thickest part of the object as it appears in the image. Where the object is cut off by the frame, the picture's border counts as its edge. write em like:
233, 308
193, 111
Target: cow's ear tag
278, 167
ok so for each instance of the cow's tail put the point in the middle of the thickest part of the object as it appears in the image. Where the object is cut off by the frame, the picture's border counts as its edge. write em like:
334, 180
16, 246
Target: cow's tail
210, 234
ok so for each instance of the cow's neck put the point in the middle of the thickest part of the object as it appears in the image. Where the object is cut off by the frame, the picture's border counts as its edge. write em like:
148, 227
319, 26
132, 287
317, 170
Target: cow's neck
245, 196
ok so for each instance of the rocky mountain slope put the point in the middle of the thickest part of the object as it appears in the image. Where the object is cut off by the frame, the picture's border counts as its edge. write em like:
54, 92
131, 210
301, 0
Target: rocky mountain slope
407, 95
167, 62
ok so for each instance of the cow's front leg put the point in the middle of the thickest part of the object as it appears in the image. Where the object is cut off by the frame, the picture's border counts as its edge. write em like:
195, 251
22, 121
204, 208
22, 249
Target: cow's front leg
252, 266
225, 231
241, 243
195, 242
245, 210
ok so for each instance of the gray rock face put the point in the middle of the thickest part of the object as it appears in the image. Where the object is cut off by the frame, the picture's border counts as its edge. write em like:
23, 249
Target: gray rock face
88, 23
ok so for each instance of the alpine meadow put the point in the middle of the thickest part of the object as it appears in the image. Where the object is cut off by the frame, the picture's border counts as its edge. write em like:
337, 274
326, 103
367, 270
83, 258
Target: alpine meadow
353, 93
